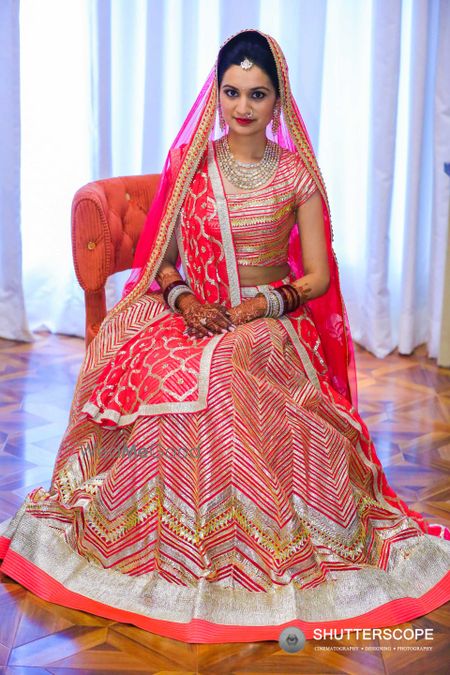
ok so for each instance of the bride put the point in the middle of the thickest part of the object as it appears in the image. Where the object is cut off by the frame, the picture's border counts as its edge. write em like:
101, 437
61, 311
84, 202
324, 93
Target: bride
253, 498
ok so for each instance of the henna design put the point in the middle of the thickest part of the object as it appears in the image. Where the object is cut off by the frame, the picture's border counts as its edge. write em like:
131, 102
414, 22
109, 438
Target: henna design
249, 309
215, 316
304, 289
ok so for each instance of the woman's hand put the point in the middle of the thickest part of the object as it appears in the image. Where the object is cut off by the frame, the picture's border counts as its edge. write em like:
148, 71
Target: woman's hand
249, 309
203, 318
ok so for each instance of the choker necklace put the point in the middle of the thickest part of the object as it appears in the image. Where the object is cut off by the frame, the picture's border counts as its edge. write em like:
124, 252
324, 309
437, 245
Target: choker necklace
245, 175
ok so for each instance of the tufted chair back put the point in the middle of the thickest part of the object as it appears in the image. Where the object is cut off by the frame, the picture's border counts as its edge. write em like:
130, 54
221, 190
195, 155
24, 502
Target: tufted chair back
107, 218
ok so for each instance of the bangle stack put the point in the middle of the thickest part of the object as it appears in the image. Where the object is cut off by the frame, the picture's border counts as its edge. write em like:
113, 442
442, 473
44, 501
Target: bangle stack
275, 302
281, 300
173, 291
293, 297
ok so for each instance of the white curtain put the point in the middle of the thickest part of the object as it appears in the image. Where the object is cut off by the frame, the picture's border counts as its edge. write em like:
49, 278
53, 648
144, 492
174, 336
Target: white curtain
13, 321
56, 144
105, 86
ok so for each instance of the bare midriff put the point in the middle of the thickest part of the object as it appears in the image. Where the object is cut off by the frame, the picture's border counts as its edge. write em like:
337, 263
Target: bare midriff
250, 275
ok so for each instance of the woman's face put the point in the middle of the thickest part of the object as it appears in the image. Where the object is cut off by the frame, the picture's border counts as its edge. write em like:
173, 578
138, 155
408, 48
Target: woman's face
244, 91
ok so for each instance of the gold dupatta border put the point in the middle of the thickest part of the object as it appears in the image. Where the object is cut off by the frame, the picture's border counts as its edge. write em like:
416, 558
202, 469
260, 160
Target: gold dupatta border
175, 201
295, 130
223, 215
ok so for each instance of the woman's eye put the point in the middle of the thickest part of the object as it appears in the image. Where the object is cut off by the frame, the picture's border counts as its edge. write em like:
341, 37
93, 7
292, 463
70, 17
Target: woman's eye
229, 92
259, 94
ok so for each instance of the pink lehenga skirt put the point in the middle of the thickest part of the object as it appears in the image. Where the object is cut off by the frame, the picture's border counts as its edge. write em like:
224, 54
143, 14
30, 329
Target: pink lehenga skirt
265, 508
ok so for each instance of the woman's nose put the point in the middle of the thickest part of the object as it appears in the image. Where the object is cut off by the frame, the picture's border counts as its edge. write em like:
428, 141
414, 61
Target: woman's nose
243, 107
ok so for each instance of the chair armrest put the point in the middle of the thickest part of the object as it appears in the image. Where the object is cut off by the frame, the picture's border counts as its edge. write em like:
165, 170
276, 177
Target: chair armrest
107, 219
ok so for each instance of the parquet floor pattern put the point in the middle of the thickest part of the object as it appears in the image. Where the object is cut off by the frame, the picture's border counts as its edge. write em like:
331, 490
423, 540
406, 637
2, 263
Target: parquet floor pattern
405, 401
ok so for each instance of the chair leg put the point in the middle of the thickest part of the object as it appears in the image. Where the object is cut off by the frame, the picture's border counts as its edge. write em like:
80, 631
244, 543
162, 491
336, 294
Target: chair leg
95, 312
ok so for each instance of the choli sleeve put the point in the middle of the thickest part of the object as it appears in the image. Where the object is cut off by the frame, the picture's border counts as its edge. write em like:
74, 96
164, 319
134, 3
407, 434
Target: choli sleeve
304, 184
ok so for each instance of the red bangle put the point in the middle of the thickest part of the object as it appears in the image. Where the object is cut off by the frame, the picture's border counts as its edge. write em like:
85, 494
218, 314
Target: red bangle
287, 298
167, 290
293, 297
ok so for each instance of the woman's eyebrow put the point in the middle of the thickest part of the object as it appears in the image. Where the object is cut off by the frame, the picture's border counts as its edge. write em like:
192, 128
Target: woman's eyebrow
251, 89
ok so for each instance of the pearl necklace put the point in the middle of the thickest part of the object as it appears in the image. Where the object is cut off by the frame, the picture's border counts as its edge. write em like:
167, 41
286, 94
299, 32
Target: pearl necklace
245, 175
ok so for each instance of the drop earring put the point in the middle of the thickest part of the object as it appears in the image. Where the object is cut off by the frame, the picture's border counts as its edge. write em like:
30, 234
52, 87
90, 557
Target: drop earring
222, 122
276, 119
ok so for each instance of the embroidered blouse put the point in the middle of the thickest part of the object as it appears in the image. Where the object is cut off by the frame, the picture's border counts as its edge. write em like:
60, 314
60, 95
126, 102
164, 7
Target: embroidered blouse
261, 220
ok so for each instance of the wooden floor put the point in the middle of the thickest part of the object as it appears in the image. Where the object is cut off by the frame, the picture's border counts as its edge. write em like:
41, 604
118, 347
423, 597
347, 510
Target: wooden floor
405, 402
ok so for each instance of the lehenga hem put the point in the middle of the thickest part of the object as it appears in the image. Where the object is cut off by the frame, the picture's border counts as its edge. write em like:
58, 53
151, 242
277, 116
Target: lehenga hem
200, 631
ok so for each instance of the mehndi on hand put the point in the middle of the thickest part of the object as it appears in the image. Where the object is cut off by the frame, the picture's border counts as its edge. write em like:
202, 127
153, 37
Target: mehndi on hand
203, 318
249, 309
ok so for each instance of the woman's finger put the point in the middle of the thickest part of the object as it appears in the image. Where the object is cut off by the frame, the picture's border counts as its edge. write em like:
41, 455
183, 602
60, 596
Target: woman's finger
225, 323
222, 327
221, 321
202, 329
224, 312
218, 311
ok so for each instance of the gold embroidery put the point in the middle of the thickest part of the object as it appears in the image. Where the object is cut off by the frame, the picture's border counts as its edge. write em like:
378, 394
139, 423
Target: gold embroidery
301, 351
351, 593
179, 406
181, 249
225, 227
191, 242
272, 257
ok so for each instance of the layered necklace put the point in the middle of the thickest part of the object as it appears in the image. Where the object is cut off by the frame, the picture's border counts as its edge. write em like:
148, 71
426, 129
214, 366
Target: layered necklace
244, 175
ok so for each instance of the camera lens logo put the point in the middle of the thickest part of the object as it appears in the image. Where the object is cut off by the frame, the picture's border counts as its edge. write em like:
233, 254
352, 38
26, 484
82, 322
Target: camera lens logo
292, 639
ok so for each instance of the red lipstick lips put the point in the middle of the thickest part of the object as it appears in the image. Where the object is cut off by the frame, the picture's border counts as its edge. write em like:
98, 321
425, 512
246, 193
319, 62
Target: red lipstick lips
243, 121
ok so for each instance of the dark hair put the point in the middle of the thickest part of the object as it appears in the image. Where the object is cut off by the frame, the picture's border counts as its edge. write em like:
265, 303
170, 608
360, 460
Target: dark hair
252, 45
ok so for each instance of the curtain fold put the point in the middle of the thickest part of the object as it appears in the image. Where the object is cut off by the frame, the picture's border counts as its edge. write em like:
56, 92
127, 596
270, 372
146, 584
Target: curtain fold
415, 274
56, 132
13, 319
440, 210
376, 331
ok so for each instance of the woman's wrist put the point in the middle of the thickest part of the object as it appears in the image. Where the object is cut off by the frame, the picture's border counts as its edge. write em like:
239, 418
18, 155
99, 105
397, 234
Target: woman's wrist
260, 304
167, 275
185, 300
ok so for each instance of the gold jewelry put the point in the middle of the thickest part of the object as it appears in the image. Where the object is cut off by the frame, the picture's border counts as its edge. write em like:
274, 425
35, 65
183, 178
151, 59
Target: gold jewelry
276, 118
222, 122
246, 175
246, 64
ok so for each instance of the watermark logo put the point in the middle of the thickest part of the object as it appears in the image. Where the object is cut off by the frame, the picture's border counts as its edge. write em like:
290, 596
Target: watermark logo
292, 639
395, 639
406, 634
133, 452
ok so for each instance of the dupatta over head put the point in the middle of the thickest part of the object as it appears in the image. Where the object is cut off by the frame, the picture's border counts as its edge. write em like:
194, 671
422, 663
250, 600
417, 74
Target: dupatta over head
187, 150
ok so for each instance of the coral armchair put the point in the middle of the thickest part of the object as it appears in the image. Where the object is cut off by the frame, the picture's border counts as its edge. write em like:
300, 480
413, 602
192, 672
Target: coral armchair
107, 218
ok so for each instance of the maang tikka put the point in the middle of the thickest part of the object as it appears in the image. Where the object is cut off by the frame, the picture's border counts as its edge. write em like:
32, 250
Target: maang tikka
246, 64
